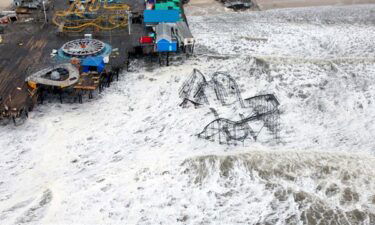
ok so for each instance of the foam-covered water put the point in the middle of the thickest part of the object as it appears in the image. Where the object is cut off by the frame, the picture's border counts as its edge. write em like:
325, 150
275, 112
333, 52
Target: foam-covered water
286, 187
131, 155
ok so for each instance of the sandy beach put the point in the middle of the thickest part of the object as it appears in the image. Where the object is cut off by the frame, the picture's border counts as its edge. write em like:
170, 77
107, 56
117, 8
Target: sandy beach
4, 4
212, 7
271, 4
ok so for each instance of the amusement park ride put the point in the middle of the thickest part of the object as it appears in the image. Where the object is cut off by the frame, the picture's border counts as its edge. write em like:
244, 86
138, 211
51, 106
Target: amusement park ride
101, 15
259, 114
95, 38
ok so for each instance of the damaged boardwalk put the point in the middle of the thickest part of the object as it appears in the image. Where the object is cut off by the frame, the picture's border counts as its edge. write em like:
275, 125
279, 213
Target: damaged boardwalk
96, 37
27, 46
20, 55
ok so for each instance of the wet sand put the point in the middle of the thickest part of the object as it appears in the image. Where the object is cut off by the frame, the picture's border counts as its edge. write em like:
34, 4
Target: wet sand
212, 7
204, 7
4, 4
271, 4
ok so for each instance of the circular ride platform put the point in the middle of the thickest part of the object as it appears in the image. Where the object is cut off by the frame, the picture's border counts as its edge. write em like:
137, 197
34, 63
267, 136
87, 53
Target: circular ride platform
82, 48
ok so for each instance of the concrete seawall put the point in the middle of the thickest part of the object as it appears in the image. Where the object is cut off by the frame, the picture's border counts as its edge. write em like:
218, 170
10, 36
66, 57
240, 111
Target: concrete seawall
271, 4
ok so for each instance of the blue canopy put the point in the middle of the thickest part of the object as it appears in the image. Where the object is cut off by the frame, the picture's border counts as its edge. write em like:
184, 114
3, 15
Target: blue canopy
90, 62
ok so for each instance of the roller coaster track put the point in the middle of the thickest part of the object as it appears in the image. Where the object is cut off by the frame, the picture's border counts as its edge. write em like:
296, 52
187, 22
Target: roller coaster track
95, 5
193, 88
224, 85
261, 108
233, 131
105, 16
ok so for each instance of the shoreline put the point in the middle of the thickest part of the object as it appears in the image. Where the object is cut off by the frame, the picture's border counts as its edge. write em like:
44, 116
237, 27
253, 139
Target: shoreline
212, 7
5, 4
276, 4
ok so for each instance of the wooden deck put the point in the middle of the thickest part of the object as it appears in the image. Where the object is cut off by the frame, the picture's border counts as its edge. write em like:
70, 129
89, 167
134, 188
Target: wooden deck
27, 48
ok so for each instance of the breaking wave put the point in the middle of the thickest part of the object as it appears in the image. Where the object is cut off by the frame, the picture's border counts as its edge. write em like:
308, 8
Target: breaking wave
286, 188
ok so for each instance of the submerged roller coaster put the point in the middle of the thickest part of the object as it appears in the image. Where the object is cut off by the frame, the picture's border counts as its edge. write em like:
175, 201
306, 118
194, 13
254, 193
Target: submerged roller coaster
100, 15
262, 110
193, 89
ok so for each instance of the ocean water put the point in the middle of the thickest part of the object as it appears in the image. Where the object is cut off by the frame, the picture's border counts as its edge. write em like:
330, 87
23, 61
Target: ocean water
131, 154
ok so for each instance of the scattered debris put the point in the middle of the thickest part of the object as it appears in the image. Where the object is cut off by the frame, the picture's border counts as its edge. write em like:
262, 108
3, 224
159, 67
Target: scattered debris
238, 4
53, 53
8, 17
4, 20
254, 38
30, 4
28, 20
22, 11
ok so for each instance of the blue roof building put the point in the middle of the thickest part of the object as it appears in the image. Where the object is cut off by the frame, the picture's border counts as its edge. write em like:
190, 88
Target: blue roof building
161, 16
164, 40
93, 64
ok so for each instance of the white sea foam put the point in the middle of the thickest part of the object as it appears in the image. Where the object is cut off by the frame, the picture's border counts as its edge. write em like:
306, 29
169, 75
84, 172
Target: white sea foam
130, 155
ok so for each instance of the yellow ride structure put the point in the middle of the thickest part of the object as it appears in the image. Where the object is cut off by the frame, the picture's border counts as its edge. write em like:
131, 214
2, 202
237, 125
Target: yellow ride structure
101, 15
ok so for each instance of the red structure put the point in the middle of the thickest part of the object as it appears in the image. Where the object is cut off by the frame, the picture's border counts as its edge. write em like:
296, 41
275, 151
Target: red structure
146, 40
